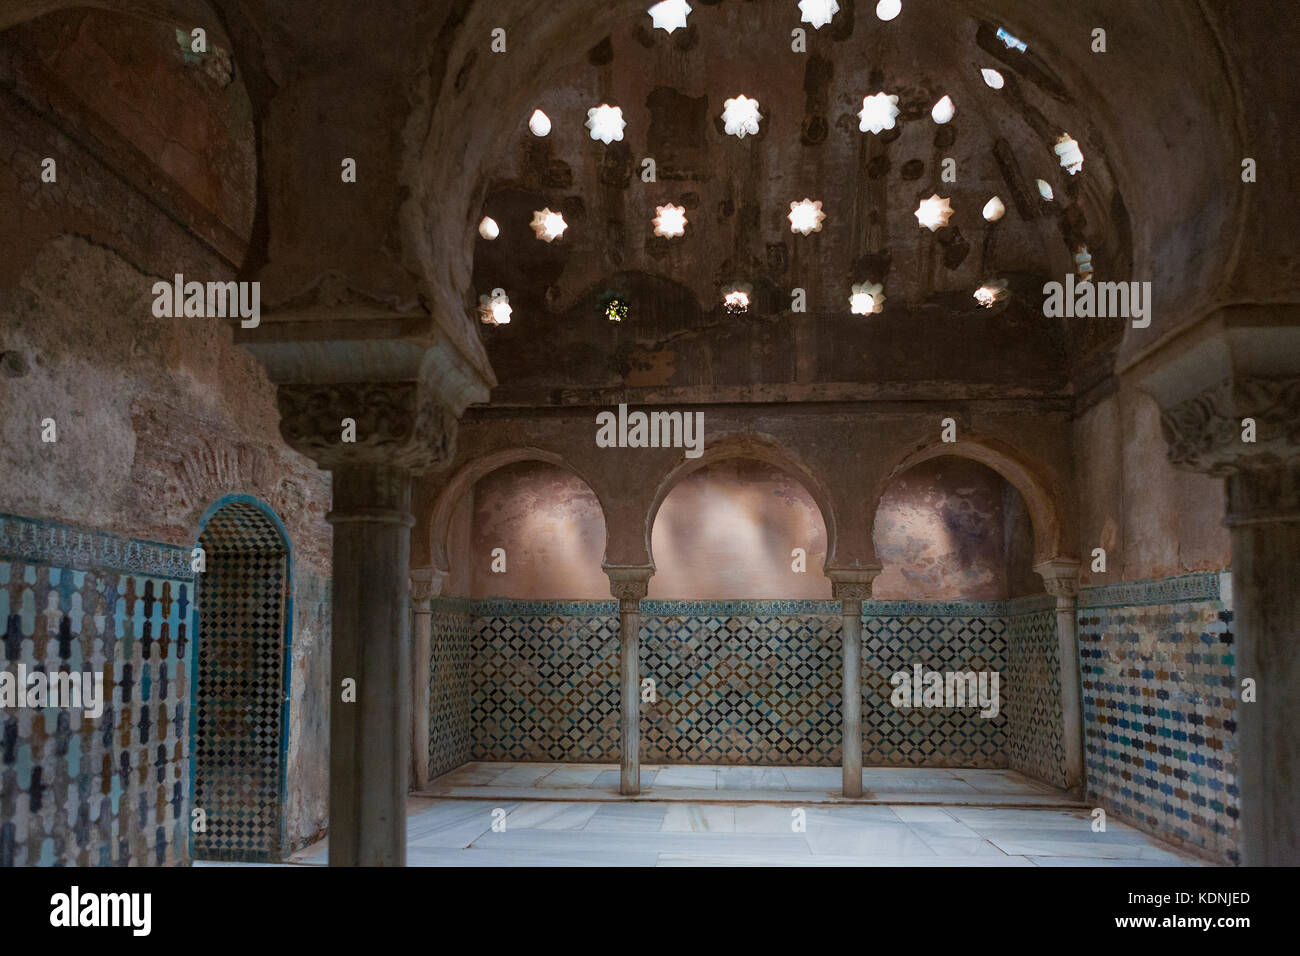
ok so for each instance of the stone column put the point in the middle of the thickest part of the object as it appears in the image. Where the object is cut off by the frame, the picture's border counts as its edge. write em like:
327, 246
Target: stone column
629, 585
851, 587
1206, 433
426, 584
1061, 578
394, 430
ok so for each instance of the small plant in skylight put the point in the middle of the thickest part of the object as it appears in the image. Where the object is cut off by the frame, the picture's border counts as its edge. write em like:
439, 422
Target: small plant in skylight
616, 310
736, 297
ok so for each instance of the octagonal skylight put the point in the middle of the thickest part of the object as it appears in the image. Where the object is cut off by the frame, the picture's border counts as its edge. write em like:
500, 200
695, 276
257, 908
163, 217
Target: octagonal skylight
878, 113
867, 298
606, 123
670, 15
806, 216
741, 116
548, 225
933, 213
818, 12
670, 221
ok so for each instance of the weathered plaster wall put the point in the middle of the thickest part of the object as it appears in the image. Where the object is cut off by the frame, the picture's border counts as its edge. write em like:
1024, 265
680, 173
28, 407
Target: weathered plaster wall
156, 419
1153, 520
549, 524
952, 529
729, 530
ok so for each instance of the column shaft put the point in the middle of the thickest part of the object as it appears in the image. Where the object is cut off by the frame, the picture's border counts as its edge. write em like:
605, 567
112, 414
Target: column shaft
370, 738
1266, 626
851, 759
629, 624
421, 646
1067, 628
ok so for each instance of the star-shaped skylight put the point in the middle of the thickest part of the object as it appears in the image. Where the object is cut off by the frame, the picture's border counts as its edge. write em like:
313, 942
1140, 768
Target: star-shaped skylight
670, 221
878, 113
933, 213
741, 116
806, 216
548, 225
606, 123
670, 15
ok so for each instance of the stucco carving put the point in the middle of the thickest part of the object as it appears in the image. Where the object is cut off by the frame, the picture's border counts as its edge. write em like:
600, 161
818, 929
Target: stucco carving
397, 423
1205, 432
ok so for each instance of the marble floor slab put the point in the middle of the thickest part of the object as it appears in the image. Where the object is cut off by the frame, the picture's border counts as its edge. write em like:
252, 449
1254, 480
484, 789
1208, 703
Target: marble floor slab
490, 832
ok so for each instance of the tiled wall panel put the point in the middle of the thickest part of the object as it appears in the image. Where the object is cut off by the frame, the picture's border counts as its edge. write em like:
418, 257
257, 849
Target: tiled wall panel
1035, 742
1160, 719
112, 790
450, 686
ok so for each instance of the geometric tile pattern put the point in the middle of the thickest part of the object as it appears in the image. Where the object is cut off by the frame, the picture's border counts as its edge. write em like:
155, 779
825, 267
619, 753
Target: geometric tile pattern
239, 702
450, 686
1032, 693
930, 736
546, 687
112, 790
1160, 718
741, 689
738, 683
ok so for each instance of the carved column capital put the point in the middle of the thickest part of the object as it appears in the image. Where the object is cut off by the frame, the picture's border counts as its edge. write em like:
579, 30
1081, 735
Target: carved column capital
426, 584
1205, 432
852, 586
396, 423
629, 584
1061, 579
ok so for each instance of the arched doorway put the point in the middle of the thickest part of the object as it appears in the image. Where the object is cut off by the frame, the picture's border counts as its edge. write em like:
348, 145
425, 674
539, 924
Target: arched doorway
241, 681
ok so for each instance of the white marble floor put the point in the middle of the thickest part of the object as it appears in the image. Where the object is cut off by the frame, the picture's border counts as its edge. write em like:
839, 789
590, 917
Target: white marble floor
707, 784
646, 833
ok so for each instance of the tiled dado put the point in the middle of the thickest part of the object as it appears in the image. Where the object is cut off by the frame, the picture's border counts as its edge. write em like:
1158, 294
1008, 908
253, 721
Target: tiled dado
112, 790
739, 682
1160, 719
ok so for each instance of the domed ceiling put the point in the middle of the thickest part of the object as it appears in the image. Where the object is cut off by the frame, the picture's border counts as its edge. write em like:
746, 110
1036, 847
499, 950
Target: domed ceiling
675, 338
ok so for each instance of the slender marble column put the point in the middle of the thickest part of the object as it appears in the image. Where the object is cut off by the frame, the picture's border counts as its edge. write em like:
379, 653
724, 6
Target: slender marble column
629, 585
426, 584
851, 587
1061, 579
